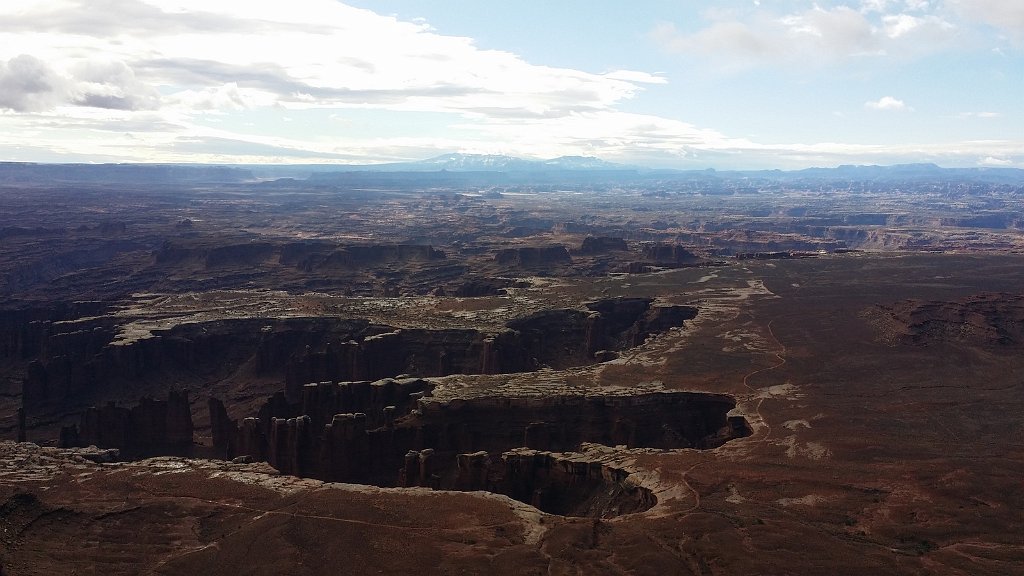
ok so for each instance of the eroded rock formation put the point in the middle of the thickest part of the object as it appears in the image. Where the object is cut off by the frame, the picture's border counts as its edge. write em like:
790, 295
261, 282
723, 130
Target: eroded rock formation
308, 256
476, 287
567, 484
668, 254
87, 363
152, 427
533, 256
991, 320
356, 423
602, 245
396, 434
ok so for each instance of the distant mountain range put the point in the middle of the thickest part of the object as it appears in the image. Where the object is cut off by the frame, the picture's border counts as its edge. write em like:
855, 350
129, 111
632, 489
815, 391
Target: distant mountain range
458, 162
458, 167
480, 169
896, 172
493, 163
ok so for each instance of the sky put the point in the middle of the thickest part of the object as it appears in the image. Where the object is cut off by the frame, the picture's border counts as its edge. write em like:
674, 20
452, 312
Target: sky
661, 83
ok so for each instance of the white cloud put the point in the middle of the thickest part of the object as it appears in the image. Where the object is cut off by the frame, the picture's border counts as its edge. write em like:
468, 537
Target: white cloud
985, 115
1004, 15
222, 98
112, 85
609, 134
115, 135
868, 6
887, 103
816, 36
886, 6
634, 76
27, 84
840, 31
897, 25
325, 54
736, 44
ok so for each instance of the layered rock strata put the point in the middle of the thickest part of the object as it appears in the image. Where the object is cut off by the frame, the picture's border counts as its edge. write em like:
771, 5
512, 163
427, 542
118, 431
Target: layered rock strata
71, 365
523, 447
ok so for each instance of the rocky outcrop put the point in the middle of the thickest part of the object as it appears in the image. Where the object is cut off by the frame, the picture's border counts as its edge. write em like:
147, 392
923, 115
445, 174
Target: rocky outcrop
554, 338
783, 255
623, 323
668, 255
658, 319
419, 352
395, 434
320, 256
307, 256
27, 333
567, 484
602, 245
565, 338
152, 427
533, 256
993, 221
638, 268
994, 321
478, 287
562, 422
87, 363
381, 401
223, 430
374, 425
620, 323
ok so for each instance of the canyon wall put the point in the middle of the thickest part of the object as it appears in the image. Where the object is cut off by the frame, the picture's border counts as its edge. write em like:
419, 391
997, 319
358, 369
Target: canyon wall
150, 428
525, 447
389, 418
72, 365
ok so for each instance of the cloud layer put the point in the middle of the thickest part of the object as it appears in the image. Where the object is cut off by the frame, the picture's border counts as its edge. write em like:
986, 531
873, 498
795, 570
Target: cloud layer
317, 80
817, 35
324, 54
1007, 16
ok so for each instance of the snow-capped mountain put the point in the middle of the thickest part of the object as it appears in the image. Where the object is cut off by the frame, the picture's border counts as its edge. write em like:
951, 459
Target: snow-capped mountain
458, 162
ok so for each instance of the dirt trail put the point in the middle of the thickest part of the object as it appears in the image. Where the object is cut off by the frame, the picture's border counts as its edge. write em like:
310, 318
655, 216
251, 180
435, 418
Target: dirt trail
779, 355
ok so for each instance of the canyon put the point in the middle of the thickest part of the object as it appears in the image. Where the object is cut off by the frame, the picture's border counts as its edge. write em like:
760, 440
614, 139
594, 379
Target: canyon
602, 373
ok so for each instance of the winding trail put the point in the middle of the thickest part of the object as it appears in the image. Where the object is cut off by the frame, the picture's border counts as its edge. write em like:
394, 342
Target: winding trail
779, 355
781, 350
696, 494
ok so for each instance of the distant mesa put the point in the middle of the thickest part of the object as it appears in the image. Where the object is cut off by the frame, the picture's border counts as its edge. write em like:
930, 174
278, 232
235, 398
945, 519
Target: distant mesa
533, 256
32, 173
672, 254
992, 321
602, 245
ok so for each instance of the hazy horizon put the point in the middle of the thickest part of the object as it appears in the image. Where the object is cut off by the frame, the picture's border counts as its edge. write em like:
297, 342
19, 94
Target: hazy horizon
427, 166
